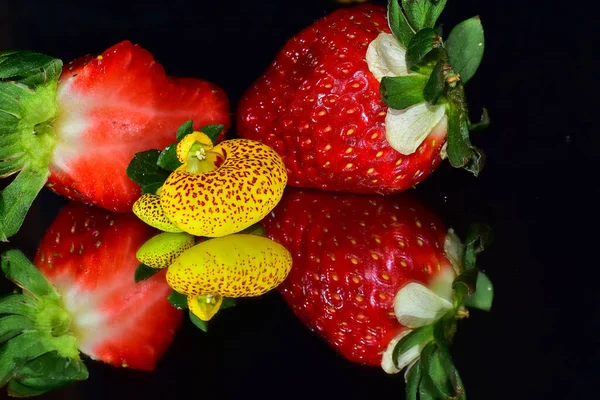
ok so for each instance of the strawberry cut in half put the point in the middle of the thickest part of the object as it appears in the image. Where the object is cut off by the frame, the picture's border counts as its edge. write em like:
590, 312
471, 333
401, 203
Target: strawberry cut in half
76, 128
82, 297
366, 101
380, 279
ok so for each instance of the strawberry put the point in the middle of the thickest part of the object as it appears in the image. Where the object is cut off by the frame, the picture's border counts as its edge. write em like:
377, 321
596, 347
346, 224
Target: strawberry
369, 270
86, 300
76, 131
350, 109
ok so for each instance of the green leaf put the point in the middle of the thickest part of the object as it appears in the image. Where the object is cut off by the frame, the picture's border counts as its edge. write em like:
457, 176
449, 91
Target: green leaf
202, 325
402, 91
399, 24
143, 169
414, 338
423, 13
144, 272
24, 274
435, 85
465, 46
51, 371
17, 198
151, 188
483, 297
461, 153
178, 300
13, 325
185, 129
420, 46
168, 158
430, 373
212, 131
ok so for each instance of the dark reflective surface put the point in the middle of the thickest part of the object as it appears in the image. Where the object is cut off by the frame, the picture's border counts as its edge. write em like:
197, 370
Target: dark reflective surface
538, 191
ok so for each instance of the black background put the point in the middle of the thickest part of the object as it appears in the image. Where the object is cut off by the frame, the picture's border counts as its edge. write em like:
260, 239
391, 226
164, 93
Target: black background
539, 192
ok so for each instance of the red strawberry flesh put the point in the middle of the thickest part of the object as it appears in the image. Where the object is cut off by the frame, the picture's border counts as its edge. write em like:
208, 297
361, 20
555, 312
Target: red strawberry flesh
114, 105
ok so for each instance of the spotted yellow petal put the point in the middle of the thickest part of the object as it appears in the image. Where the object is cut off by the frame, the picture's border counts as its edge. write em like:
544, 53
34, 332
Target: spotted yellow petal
161, 250
239, 265
205, 307
148, 209
237, 194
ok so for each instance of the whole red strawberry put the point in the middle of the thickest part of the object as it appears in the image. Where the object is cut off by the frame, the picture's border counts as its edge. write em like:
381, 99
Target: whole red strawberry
76, 127
322, 107
85, 300
368, 268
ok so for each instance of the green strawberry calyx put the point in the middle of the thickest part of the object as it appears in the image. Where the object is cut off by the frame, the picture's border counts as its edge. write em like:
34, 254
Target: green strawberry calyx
38, 350
422, 80
431, 314
28, 106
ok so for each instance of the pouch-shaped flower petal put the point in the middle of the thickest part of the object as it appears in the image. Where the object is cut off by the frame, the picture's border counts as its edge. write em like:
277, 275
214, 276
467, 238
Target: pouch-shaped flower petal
232, 266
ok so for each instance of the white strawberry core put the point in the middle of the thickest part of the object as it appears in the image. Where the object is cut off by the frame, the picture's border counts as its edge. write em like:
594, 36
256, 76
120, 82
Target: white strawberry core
405, 129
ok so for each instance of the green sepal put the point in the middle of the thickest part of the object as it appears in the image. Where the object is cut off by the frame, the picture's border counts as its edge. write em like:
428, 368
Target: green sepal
13, 325
228, 302
465, 46
144, 170
18, 304
29, 68
483, 296
430, 373
152, 188
413, 380
461, 153
168, 158
434, 89
51, 371
17, 268
399, 23
414, 338
464, 285
479, 236
202, 325
420, 46
401, 92
28, 86
144, 272
178, 300
17, 389
483, 123
423, 13
213, 131
185, 129
17, 352
17, 198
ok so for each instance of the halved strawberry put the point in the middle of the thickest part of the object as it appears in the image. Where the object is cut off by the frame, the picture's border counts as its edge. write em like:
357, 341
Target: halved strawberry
81, 131
91, 302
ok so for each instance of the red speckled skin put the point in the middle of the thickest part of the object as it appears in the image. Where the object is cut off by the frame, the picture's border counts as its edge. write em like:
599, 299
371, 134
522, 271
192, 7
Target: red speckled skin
318, 106
113, 106
351, 255
88, 254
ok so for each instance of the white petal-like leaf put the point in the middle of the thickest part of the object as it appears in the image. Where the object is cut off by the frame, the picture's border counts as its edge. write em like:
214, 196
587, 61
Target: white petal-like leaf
404, 359
416, 306
454, 249
386, 57
407, 129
